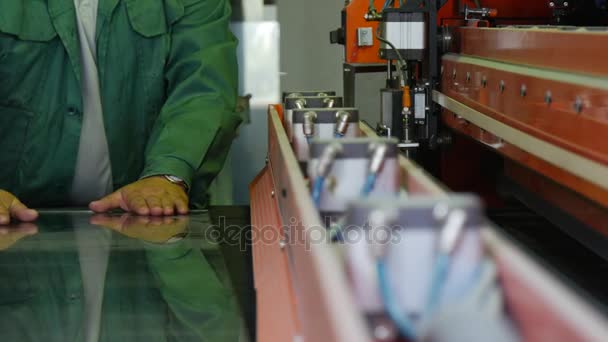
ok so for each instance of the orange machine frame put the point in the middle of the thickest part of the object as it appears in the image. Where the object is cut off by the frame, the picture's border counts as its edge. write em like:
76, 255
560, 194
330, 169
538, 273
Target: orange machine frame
509, 11
302, 288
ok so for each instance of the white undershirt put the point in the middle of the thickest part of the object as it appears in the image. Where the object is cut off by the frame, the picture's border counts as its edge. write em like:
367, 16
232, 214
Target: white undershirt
93, 174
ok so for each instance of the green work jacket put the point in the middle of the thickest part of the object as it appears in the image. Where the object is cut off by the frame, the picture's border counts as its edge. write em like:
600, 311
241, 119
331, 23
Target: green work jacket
168, 79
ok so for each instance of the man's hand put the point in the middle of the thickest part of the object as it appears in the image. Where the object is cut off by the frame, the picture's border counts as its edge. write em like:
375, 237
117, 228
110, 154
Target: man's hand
11, 207
154, 196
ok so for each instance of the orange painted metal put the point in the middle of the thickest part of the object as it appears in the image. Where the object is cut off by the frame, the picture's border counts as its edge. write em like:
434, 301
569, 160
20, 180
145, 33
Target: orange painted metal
588, 206
536, 313
586, 211
528, 307
355, 12
279, 109
509, 12
276, 307
557, 123
514, 10
520, 101
583, 52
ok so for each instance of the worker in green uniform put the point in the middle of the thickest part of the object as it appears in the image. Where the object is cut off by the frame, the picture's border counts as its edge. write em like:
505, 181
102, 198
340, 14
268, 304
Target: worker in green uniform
114, 104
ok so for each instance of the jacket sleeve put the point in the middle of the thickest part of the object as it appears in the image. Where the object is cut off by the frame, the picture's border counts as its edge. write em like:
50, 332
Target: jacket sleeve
192, 135
200, 306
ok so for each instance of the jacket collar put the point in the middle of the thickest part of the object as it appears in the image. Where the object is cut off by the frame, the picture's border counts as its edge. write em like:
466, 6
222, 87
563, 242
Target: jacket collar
58, 7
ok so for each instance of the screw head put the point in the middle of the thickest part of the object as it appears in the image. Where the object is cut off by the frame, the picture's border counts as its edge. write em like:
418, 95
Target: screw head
501, 86
552, 4
484, 82
548, 97
272, 193
566, 4
578, 105
523, 91
468, 76
454, 74
441, 211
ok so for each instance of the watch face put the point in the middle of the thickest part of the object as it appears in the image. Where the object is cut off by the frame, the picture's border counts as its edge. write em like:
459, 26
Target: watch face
178, 181
174, 179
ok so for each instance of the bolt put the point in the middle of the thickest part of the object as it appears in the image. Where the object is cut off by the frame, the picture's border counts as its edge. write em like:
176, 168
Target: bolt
523, 91
454, 74
272, 193
384, 331
552, 4
468, 76
441, 211
502, 86
548, 97
566, 4
484, 82
282, 244
578, 105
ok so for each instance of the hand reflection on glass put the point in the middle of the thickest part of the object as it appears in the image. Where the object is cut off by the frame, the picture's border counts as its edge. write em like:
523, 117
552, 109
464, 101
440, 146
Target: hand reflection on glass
149, 229
9, 235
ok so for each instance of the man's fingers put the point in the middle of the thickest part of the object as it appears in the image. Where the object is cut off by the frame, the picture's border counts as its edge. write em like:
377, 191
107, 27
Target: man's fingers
182, 206
27, 228
111, 222
5, 216
10, 206
112, 201
168, 206
137, 204
155, 205
21, 212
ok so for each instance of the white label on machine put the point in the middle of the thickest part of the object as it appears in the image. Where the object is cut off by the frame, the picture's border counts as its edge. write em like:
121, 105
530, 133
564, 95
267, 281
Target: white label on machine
420, 106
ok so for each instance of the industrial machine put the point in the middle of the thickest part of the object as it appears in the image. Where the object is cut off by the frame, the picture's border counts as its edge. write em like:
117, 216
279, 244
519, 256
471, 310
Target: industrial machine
498, 102
465, 77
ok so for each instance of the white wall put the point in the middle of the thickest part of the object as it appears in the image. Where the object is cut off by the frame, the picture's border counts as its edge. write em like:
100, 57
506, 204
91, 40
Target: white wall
308, 60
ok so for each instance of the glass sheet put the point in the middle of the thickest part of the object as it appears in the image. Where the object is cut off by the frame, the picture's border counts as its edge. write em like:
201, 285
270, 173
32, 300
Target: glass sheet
75, 276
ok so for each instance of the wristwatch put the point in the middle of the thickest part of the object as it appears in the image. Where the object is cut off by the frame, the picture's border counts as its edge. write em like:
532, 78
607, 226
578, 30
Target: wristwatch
178, 181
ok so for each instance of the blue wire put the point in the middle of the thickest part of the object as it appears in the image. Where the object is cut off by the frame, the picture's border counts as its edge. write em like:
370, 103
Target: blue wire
338, 136
391, 305
440, 274
317, 190
386, 4
370, 183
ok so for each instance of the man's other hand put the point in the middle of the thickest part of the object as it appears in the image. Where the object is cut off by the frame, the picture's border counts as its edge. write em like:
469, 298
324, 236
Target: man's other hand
154, 196
11, 207
10, 235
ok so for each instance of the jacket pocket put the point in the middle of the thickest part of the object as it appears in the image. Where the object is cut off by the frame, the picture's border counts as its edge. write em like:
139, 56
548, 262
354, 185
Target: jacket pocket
151, 18
14, 125
27, 20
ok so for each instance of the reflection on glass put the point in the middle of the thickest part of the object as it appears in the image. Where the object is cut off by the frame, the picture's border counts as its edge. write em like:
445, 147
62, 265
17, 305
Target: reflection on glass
76, 277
